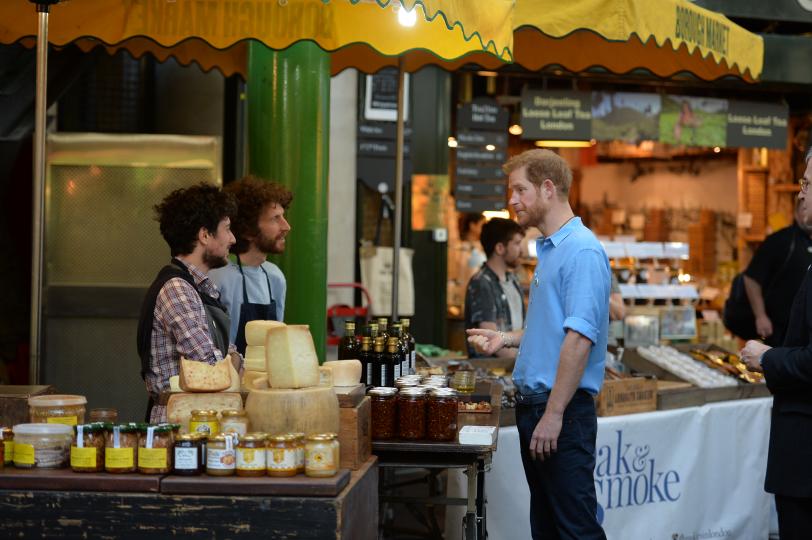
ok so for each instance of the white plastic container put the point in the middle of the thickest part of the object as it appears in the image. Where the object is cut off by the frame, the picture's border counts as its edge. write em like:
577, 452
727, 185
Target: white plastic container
43, 446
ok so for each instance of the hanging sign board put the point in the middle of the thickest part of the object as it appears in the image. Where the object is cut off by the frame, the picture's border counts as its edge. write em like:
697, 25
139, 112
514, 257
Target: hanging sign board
380, 148
481, 188
562, 115
381, 96
381, 130
625, 116
478, 156
482, 114
751, 124
482, 138
479, 205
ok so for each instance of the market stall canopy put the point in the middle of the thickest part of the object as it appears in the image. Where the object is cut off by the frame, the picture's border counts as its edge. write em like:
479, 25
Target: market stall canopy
215, 34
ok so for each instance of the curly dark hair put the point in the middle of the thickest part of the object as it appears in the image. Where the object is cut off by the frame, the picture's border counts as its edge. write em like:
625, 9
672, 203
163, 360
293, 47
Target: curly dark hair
498, 231
253, 195
184, 211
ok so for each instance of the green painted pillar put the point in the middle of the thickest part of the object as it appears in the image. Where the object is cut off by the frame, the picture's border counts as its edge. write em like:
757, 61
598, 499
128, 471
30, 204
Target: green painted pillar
288, 141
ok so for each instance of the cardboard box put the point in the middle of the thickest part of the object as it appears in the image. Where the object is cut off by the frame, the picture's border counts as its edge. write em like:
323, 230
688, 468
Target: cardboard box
354, 436
626, 396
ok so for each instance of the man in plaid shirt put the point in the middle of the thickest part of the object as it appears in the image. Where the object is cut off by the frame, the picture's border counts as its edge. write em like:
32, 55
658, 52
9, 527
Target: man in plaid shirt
182, 314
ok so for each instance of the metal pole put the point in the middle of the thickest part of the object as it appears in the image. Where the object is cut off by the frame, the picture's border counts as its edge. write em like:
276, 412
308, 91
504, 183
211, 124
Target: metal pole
398, 191
38, 191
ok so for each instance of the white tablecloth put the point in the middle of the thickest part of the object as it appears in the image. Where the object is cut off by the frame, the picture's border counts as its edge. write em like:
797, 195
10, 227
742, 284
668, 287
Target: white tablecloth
685, 474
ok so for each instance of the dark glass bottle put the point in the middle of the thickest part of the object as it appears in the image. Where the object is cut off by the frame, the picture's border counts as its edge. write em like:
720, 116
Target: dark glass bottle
383, 330
371, 330
409, 339
376, 365
365, 356
402, 366
391, 361
350, 347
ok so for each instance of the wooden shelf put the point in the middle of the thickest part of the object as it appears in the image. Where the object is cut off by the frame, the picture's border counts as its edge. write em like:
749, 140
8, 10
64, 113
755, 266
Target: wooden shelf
786, 188
753, 237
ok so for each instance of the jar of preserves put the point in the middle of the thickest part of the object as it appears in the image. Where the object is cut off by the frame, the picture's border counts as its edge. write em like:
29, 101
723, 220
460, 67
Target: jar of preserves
321, 455
221, 456
205, 421
234, 421
44, 446
300, 452
87, 451
57, 409
384, 412
281, 455
155, 449
251, 455
407, 381
121, 448
7, 436
104, 415
441, 414
187, 460
412, 414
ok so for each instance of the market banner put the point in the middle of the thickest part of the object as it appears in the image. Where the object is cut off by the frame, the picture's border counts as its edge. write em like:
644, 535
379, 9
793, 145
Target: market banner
556, 114
681, 474
752, 124
693, 121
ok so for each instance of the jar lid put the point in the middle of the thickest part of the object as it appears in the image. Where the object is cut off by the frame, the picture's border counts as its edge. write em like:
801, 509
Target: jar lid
57, 400
43, 429
254, 437
204, 412
93, 427
413, 391
187, 437
382, 391
5, 432
322, 437
232, 412
159, 428
220, 438
299, 435
285, 437
129, 427
443, 392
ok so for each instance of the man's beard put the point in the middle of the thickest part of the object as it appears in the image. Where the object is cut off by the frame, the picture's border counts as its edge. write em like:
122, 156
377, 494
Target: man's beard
267, 244
213, 261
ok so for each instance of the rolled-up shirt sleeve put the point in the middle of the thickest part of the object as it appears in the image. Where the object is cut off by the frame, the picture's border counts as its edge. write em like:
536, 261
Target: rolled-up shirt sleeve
586, 293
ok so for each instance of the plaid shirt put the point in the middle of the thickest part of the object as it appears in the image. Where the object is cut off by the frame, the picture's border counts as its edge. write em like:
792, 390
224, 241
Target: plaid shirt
485, 301
180, 328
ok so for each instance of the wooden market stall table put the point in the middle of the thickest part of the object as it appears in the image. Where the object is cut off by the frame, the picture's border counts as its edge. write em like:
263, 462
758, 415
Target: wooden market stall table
43, 503
447, 455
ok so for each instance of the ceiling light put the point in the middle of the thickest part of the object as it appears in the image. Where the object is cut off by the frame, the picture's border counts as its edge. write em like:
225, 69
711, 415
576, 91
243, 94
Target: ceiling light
490, 148
565, 144
487, 73
407, 18
716, 149
515, 129
452, 142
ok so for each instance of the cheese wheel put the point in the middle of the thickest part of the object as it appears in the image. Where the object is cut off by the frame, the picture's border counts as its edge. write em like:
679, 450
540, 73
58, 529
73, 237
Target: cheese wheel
306, 410
198, 376
345, 372
179, 407
290, 356
255, 331
255, 357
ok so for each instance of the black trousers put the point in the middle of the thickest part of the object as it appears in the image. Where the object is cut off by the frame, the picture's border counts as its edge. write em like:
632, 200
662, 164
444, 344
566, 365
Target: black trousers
563, 505
794, 517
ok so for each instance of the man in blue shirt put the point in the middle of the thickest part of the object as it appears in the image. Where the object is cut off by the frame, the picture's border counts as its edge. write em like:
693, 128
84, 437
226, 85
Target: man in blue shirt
559, 368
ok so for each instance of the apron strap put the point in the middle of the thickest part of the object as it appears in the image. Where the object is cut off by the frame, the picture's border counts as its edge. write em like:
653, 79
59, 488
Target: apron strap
245, 291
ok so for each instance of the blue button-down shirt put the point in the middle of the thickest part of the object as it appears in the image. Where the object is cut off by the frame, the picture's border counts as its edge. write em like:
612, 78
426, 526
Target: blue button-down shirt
569, 291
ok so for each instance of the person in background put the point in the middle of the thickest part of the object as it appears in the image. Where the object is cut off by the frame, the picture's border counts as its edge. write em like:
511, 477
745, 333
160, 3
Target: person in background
788, 373
470, 226
774, 275
562, 351
181, 314
494, 298
252, 288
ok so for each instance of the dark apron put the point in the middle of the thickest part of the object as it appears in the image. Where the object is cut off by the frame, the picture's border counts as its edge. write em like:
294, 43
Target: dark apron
252, 312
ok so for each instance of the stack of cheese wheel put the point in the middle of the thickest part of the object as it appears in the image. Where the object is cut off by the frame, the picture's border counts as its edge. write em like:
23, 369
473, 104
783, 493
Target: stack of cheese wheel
290, 398
255, 368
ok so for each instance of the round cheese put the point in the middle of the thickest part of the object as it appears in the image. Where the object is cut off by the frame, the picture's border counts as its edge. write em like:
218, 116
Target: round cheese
255, 357
306, 410
345, 372
255, 331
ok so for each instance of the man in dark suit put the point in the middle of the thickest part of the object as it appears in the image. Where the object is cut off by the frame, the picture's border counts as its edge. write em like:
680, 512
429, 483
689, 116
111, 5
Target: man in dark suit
788, 374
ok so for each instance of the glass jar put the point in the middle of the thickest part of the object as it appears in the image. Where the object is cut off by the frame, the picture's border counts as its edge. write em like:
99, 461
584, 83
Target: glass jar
187, 460
441, 415
44, 446
321, 455
57, 409
412, 414
464, 381
87, 451
384, 412
281, 458
407, 381
104, 415
300, 452
204, 421
203, 439
121, 448
436, 381
251, 455
155, 449
221, 457
234, 421
7, 436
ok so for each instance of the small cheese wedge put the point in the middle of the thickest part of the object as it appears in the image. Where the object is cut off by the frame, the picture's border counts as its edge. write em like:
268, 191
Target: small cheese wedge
174, 384
255, 357
198, 376
291, 360
345, 372
325, 376
249, 377
255, 331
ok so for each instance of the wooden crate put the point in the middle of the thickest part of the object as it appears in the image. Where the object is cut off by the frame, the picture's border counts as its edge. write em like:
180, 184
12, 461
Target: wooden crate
626, 396
14, 402
354, 436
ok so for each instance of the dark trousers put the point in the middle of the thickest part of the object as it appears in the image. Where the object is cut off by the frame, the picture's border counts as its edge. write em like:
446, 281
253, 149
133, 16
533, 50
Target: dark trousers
563, 504
794, 517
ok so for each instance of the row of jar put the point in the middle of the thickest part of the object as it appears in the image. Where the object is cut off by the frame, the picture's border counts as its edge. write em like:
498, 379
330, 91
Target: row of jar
160, 449
414, 413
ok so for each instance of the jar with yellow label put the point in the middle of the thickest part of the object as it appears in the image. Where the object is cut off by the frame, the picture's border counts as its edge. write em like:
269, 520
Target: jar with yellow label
155, 449
281, 455
121, 448
57, 409
204, 421
87, 451
7, 436
221, 457
300, 452
321, 455
234, 421
251, 455
44, 446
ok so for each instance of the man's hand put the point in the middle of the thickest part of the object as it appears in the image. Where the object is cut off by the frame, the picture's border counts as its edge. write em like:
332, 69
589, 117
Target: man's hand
545, 437
751, 354
764, 326
485, 341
